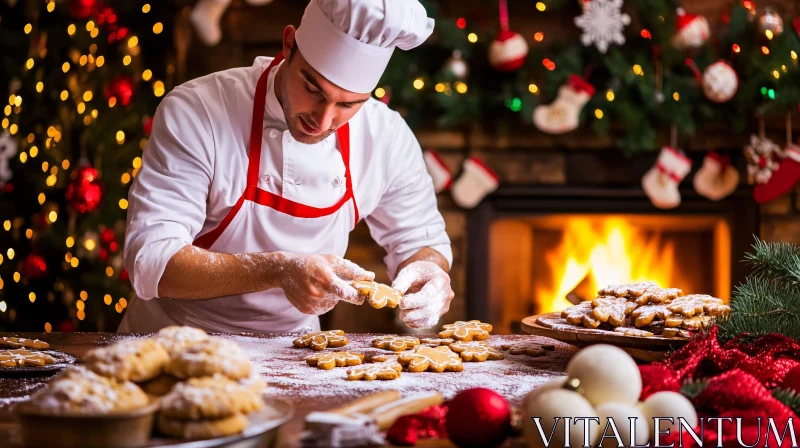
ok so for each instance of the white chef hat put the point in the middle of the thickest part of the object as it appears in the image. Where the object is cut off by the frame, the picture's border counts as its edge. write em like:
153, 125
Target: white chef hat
350, 42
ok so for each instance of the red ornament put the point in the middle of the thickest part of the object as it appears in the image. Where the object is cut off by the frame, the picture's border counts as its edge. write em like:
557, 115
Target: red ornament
102, 254
85, 191
147, 125
82, 9
34, 266
508, 51
120, 88
428, 424
792, 379
124, 276
478, 418
107, 236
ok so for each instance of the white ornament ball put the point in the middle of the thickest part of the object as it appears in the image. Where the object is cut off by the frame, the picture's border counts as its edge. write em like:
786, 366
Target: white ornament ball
508, 51
554, 383
668, 404
693, 33
620, 414
720, 82
559, 403
457, 65
607, 374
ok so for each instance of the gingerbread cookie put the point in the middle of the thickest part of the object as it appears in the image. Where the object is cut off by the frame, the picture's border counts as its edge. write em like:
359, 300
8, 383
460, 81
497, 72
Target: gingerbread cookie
10, 342
610, 309
529, 348
629, 291
688, 323
386, 369
24, 358
476, 351
329, 360
437, 359
378, 295
322, 340
589, 321
202, 429
676, 333
574, 314
692, 304
135, 360
175, 338
435, 342
645, 314
205, 358
210, 397
473, 330
395, 343
78, 390
628, 331
659, 295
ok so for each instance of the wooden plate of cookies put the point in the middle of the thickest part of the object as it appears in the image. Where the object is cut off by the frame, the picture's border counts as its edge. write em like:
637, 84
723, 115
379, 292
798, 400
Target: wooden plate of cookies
50, 360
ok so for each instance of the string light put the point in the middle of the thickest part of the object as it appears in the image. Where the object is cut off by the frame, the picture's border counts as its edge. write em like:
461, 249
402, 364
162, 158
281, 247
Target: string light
676, 96
34, 151
94, 33
74, 262
65, 67
419, 83
379, 92
51, 180
133, 41
146, 8
83, 60
18, 101
126, 178
80, 305
31, 137
71, 29
539, 36
147, 74
64, 95
123, 302
89, 25
637, 69
515, 104
126, 60
84, 295
107, 299
16, 277
646, 34
5, 123
793, 54
783, 68
123, 204
764, 49
45, 165
158, 89
28, 28
598, 113
120, 137
736, 48
137, 162
461, 23
89, 244
112, 102
47, 327
472, 37
52, 216
461, 87
28, 233
81, 314
776, 74
7, 225
158, 28
13, 129
109, 271
70, 241
10, 253
7, 110
29, 63
81, 107
540, 6
68, 257
99, 61
39, 86
771, 94
51, 6
533, 88
65, 164
548, 64
3, 306
118, 307
94, 113
610, 95
23, 156
32, 297
87, 95
93, 48
769, 34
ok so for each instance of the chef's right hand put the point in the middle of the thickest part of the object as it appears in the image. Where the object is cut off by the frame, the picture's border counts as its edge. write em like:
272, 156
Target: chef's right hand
315, 283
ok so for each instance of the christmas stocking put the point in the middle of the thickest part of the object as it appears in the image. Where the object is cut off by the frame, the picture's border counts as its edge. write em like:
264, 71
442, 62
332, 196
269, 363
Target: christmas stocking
782, 180
206, 15
660, 184
441, 175
562, 114
717, 178
476, 181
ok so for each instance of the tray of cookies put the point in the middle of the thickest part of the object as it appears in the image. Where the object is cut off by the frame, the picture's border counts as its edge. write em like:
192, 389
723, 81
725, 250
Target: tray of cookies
181, 388
22, 356
637, 315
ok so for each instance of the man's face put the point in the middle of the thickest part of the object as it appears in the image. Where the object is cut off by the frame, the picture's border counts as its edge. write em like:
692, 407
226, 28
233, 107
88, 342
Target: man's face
313, 106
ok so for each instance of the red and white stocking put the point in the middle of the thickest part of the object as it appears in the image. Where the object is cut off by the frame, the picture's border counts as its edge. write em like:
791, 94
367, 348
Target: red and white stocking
660, 184
783, 179
717, 178
476, 181
440, 173
563, 114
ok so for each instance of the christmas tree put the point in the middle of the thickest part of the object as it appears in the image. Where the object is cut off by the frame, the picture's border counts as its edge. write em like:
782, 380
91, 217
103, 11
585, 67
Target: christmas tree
83, 80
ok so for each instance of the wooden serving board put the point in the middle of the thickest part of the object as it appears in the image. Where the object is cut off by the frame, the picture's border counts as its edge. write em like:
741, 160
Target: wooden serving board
551, 325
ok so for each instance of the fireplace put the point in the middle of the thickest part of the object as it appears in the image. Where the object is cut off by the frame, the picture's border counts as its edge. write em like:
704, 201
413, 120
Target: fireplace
534, 250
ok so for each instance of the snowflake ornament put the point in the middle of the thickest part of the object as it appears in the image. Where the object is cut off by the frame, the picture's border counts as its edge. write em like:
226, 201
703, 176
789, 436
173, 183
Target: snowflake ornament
602, 22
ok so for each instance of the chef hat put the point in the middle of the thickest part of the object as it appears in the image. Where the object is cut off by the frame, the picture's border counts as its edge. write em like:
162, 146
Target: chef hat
350, 42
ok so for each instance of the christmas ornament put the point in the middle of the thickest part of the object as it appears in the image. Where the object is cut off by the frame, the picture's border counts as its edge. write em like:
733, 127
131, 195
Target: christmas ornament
8, 150
630, 422
428, 424
551, 407
147, 125
660, 183
206, 15
791, 381
120, 88
85, 191
107, 237
476, 181
124, 276
602, 23
606, 374
717, 178
478, 417
81, 9
720, 82
554, 383
457, 66
508, 50
563, 114
90, 245
34, 266
771, 21
107, 18
668, 405
691, 31
439, 172
762, 156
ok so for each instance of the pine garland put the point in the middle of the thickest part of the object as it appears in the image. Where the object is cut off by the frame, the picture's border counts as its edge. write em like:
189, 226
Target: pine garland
692, 389
769, 300
788, 397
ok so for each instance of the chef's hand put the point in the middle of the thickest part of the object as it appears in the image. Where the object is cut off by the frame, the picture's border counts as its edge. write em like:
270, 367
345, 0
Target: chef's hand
314, 284
426, 293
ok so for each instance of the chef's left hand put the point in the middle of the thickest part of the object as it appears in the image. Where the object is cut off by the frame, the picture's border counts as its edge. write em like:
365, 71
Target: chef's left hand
426, 293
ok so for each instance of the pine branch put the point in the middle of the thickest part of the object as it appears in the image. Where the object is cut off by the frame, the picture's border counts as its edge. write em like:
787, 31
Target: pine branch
788, 397
776, 260
692, 389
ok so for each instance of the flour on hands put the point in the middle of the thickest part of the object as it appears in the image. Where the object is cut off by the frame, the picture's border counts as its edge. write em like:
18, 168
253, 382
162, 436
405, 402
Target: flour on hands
426, 293
314, 284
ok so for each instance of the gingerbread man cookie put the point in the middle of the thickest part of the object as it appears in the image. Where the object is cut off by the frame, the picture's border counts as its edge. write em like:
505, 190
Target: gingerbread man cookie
395, 343
24, 358
437, 360
387, 369
435, 342
321, 340
476, 351
610, 309
629, 291
473, 330
378, 295
23, 343
529, 348
329, 360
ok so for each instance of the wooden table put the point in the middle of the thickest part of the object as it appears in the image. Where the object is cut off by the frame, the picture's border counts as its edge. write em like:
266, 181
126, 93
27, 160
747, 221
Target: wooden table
270, 352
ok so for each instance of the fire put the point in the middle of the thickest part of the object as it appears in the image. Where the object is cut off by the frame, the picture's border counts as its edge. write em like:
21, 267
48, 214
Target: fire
594, 253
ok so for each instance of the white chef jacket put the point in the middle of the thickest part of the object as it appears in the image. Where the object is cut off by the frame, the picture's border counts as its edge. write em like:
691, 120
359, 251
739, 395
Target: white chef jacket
194, 170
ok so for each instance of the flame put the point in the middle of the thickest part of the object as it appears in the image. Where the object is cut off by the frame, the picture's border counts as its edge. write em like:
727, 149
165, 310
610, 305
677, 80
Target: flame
595, 253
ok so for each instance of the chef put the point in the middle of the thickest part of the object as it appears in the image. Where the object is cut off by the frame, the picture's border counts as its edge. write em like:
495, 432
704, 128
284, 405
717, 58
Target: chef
253, 178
